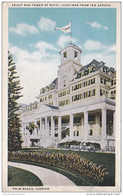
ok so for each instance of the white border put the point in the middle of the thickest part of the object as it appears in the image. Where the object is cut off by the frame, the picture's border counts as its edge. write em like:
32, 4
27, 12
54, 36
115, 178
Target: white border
117, 188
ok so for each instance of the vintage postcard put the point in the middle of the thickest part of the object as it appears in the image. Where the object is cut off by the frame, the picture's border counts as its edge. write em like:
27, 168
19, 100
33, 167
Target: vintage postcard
61, 96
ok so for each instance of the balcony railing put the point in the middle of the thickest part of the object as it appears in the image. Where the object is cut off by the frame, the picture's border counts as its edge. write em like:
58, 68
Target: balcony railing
65, 125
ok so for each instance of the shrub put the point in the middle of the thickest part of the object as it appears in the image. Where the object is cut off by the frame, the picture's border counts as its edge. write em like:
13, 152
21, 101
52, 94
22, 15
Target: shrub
67, 144
96, 145
72, 162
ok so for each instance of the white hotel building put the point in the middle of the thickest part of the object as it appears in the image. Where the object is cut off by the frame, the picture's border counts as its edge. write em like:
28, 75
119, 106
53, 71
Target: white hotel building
78, 105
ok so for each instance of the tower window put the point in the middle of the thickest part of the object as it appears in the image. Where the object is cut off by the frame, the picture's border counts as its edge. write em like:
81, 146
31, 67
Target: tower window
75, 54
65, 55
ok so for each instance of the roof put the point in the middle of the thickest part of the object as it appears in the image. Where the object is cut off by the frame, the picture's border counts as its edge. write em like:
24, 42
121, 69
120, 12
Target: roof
97, 66
54, 81
94, 62
52, 106
73, 45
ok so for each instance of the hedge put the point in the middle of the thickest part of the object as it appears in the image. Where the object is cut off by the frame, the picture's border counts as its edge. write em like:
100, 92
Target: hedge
72, 162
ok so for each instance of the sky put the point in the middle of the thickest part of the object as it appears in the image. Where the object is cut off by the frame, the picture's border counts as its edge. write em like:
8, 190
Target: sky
35, 45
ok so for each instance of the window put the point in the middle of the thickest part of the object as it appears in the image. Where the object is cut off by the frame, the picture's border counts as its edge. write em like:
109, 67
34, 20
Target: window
76, 97
88, 82
64, 93
84, 95
101, 93
104, 81
63, 102
104, 69
93, 68
86, 72
42, 99
77, 133
93, 92
93, 81
90, 132
101, 80
111, 82
45, 98
75, 54
65, 55
89, 93
50, 97
79, 75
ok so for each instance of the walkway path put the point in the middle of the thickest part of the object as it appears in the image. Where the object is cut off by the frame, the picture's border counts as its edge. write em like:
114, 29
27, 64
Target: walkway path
47, 176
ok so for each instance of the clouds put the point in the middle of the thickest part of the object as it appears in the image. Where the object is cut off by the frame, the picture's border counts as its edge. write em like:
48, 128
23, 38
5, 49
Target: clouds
97, 50
36, 69
46, 24
96, 25
93, 45
35, 45
112, 48
108, 58
64, 39
39, 67
43, 46
24, 29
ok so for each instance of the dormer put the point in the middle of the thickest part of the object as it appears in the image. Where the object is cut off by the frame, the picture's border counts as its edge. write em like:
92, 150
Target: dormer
71, 52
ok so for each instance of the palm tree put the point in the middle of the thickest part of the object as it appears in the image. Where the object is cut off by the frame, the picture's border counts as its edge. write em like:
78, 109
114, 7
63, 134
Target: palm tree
31, 126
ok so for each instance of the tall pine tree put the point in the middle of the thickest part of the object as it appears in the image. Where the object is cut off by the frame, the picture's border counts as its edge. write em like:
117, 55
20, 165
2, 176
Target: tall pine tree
14, 137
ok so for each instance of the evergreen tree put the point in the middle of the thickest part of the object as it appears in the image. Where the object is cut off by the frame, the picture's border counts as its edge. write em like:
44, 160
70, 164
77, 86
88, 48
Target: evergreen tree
14, 137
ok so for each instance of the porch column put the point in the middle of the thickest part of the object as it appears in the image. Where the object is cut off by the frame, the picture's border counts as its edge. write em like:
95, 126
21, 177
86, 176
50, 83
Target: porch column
59, 127
48, 125
35, 130
40, 123
86, 125
104, 123
98, 126
114, 123
45, 125
71, 126
40, 126
52, 126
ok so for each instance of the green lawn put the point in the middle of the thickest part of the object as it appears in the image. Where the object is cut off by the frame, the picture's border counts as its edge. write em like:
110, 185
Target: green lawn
105, 159
20, 177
